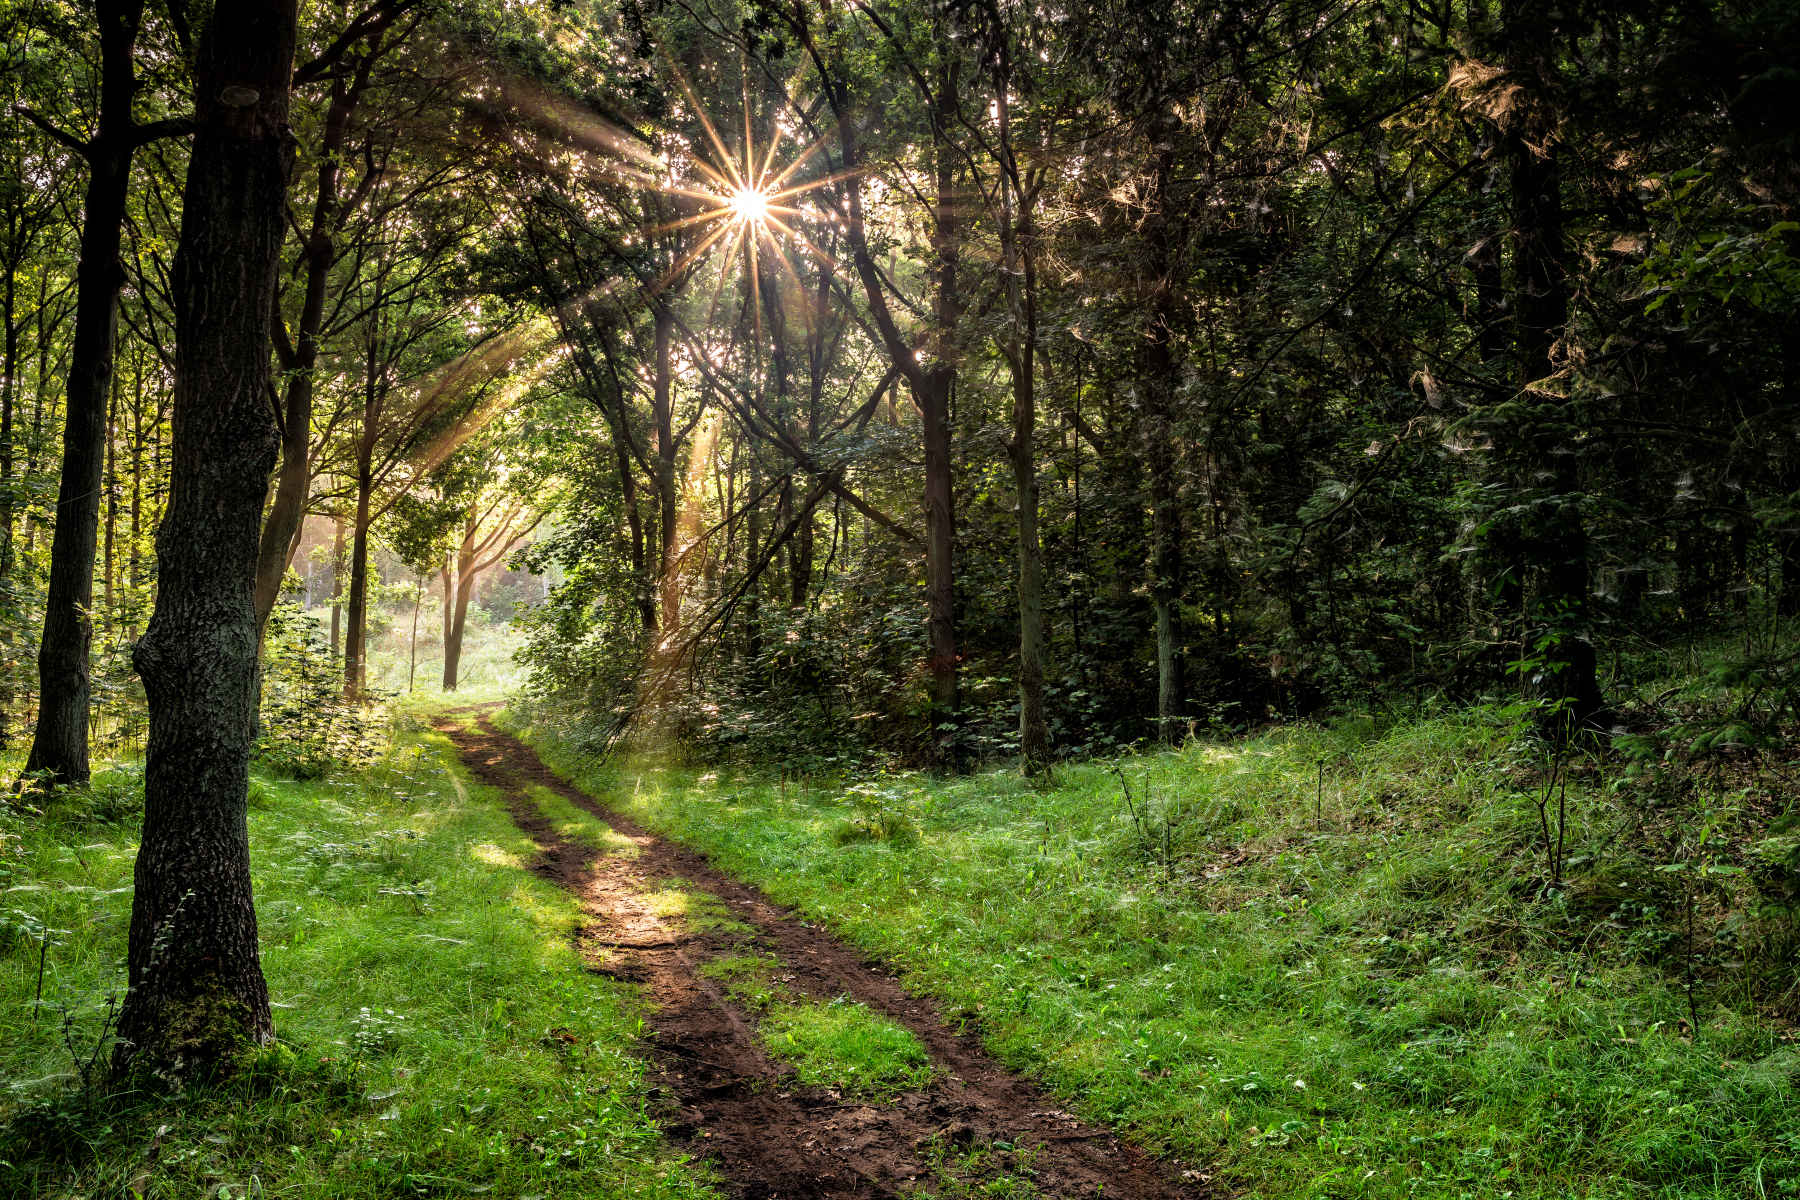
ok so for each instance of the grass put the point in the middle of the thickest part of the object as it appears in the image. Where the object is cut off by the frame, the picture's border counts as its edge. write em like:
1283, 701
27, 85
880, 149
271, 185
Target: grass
840, 1044
1314, 963
973, 1168
576, 825
438, 1034
847, 1046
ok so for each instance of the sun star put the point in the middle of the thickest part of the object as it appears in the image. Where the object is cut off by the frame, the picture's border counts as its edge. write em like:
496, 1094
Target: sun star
749, 205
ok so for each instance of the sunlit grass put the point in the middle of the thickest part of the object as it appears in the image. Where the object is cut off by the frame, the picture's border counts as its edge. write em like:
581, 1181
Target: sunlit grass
578, 825
439, 1034
698, 910
1317, 962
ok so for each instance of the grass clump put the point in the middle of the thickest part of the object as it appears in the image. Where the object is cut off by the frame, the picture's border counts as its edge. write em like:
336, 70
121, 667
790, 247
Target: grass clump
966, 1167
438, 1033
576, 824
1319, 961
846, 1046
840, 1044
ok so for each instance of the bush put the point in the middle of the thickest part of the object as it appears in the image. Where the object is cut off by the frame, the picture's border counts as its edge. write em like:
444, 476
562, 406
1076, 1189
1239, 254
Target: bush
308, 727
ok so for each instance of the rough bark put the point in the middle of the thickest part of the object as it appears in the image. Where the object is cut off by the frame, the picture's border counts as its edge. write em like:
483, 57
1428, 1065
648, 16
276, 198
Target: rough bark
196, 992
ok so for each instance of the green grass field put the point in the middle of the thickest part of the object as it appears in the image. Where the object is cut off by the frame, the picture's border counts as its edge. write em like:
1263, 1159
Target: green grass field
1316, 963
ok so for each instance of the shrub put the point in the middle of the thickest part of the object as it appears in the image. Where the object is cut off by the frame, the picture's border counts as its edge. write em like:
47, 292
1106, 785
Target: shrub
309, 728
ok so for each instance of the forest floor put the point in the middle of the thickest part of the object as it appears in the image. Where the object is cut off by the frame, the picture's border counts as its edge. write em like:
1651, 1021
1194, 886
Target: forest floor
1312, 962
805, 1070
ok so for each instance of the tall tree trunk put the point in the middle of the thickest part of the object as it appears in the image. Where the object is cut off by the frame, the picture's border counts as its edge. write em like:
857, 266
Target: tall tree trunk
196, 992
1556, 543
356, 626
337, 584
9, 380
9, 375
356, 618
1157, 383
1485, 261
110, 478
287, 512
456, 615
931, 386
643, 593
753, 545
1034, 733
40, 394
940, 564
934, 410
412, 661
453, 641
668, 581
1017, 234
59, 747
133, 568
445, 574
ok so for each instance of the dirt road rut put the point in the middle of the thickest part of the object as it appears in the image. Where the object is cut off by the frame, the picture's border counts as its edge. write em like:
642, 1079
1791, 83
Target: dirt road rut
773, 1138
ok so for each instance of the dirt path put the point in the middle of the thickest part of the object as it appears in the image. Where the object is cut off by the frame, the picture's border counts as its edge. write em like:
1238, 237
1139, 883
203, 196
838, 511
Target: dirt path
772, 1137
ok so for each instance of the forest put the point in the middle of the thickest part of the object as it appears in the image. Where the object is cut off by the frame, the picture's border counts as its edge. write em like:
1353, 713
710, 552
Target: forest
786, 599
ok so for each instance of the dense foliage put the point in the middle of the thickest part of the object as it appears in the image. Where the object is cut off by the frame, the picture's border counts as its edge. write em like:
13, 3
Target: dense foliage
1101, 370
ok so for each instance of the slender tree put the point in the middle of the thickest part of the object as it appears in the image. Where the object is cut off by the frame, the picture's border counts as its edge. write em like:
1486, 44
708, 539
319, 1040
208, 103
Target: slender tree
1555, 548
59, 745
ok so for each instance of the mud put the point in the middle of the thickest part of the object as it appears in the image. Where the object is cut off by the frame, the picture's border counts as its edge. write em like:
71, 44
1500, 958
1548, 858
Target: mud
770, 1137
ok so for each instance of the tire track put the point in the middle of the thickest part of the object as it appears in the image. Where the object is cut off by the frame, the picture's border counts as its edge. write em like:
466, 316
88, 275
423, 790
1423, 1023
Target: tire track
772, 1138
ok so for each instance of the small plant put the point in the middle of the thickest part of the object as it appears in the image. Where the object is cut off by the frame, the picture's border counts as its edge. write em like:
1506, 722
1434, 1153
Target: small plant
879, 814
309, 728
1154, 827
375, 1032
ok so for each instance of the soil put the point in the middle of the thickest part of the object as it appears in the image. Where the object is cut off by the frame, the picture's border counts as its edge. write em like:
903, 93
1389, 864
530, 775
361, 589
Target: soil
770, 1137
